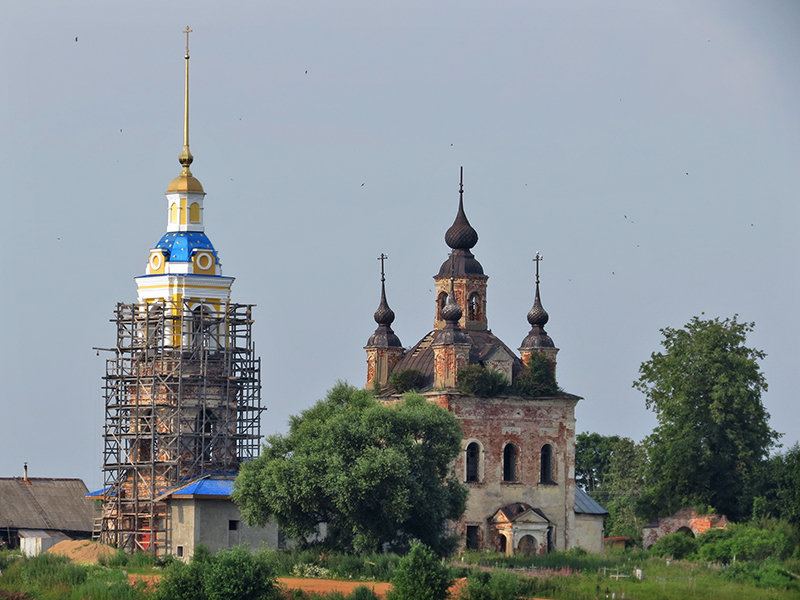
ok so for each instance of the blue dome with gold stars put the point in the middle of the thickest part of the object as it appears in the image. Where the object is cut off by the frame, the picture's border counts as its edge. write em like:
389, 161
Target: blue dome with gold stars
180, 244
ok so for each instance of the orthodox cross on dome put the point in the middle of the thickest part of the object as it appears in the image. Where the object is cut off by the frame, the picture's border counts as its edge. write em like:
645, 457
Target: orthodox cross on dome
382, 258
537, 259
186, 157
187, 31
461, 186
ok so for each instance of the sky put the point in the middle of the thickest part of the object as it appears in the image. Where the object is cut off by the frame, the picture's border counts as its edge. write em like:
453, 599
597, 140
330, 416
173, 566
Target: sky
648, 150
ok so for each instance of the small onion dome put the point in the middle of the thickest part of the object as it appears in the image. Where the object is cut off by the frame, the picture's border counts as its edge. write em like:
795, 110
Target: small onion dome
384, 337
461, 235
537, 317
451, 313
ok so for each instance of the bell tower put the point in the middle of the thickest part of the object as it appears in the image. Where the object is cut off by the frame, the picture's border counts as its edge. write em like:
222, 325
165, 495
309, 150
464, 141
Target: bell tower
468, 280
183, 388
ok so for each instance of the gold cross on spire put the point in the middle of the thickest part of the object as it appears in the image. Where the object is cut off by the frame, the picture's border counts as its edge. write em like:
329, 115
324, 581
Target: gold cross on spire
187, 31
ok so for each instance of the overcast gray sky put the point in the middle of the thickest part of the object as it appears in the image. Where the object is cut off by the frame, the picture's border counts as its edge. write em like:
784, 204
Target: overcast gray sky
649, 150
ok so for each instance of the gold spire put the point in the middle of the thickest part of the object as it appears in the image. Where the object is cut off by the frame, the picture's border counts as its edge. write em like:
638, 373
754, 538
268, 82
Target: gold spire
185, 182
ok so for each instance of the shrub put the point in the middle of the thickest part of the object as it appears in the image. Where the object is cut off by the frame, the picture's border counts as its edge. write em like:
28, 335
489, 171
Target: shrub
182, 582
140, 560
236, 574
480, 381
362, 592
497, 585
537, 378
677, 545
420, 576
118, 558
406, 381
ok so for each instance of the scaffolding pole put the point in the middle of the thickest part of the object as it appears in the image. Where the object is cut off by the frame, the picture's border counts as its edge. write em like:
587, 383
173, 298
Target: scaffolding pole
182, 399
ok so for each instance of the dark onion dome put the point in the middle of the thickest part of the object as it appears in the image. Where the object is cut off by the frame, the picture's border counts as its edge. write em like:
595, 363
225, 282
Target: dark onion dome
537, 317
384, 337
451, 313
461, 235
384, 315
461, 263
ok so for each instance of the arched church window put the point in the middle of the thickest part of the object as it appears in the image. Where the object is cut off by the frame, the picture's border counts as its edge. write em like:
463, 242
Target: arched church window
546, 464
473, 461
510, 463
441, 300
474, 307
203, 327
194, 213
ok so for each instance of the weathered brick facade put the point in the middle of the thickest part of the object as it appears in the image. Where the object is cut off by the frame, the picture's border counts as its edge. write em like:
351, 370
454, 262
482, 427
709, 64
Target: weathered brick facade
518, 453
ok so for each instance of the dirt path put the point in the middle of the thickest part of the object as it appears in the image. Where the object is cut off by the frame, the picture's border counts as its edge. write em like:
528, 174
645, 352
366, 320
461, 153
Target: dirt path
324, 586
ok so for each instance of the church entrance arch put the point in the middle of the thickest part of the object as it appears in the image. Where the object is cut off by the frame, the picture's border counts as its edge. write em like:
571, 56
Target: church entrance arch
527, 546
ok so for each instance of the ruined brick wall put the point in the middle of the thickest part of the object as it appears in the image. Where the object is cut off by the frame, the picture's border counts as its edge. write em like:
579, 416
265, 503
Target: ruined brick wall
686, 519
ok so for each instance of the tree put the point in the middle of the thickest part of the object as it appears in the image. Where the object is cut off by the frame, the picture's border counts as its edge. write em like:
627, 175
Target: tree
622, 489
538, 378
592, 458
481, 381
373, 473
420, 575
779, 487
713, 430
610, 468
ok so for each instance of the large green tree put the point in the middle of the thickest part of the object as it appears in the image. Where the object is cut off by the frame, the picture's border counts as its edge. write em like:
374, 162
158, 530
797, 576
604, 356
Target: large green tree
779, 486
592, 459
610, 468
713, 430
373, 473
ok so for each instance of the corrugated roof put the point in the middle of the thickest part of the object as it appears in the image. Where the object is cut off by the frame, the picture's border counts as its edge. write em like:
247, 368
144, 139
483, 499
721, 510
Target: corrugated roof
586, 505
44, 503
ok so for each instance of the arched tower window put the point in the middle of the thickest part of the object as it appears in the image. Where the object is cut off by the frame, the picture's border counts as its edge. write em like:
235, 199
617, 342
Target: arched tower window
510, 463
473, 462
474, 307
546, 464
441, 300
194, 213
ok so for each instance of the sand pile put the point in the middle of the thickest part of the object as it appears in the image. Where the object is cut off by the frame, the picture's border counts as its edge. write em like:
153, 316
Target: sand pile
82, 551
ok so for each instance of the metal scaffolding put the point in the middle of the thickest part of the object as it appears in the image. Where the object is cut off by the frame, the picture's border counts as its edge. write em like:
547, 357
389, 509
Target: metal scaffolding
182, 399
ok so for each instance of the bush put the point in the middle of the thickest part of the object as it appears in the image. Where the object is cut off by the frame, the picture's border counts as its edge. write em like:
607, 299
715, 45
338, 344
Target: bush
677, 545
776, 539
362, 592
237, 574
117, 559
420, 576
537, 378
182, 582
480, 381
230, 575
497, 585
406, 381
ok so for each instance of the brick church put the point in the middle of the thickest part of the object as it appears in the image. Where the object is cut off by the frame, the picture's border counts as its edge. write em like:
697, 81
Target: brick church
518, 453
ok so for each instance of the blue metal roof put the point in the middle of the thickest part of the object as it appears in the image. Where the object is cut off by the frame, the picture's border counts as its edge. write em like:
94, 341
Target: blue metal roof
205, 487
586, 505
180, 244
